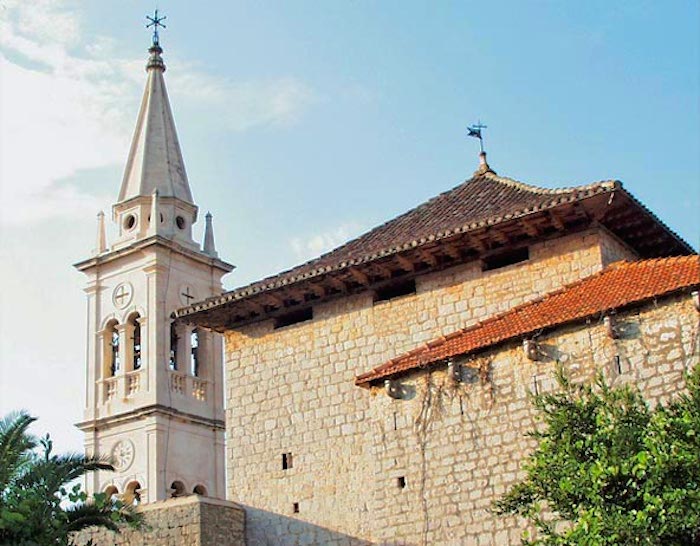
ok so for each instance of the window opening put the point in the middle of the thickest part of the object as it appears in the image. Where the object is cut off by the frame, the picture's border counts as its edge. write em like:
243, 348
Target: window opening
115, 363
294, 317
137, 343
111, 491
177, 489
401, 482
396, 290
132, 495
286, 461
503, 259
194, 354
173, 347
295, 507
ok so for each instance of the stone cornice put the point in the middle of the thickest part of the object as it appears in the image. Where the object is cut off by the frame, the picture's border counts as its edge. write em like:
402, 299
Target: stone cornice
148, 411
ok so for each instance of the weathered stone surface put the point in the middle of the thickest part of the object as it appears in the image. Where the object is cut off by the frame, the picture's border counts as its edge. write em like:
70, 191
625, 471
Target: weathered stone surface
183, 521
291, 390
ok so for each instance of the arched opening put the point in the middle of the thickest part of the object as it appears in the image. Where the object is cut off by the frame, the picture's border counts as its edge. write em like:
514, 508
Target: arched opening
174, 338
135, 329
177, 489
194, 354
111, 491
200, 490
132, 494
112, 356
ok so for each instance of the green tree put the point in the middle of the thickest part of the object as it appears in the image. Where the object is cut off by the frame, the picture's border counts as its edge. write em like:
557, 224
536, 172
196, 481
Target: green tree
36, 506
609, 470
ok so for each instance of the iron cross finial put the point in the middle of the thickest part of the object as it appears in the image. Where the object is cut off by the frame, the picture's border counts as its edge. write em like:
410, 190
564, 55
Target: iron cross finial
475, 131
156, 22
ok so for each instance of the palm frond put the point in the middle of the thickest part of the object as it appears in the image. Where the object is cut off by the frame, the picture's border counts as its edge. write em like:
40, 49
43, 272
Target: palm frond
15, 443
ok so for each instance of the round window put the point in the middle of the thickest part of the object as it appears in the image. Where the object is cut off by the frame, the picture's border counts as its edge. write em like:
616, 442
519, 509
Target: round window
129, 221
180, 221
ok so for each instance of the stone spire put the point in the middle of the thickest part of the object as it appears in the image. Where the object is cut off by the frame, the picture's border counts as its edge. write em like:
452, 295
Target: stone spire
209, 247
101, 237
155, 160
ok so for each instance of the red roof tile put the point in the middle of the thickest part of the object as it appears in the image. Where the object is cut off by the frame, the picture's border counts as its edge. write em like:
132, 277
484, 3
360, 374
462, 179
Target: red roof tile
622, 284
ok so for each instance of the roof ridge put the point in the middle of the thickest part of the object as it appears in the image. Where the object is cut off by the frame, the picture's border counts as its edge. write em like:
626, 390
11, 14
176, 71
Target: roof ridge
512, 182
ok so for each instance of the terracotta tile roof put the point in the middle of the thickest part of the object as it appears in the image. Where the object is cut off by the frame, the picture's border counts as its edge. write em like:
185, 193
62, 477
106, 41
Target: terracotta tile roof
484, 201
622, 284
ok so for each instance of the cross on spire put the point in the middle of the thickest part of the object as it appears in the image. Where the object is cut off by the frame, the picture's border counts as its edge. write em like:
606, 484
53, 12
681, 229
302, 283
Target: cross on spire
156, 22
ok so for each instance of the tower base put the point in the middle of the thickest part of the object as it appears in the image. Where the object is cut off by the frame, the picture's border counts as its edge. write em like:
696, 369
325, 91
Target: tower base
182, 521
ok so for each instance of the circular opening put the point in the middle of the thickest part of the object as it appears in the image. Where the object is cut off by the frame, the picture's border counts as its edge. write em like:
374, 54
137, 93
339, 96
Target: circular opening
130, 221
180, 221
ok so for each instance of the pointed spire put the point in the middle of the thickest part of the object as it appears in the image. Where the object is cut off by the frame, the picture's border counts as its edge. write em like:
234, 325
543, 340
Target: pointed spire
101, 237
209, 247
155, 160
154, 217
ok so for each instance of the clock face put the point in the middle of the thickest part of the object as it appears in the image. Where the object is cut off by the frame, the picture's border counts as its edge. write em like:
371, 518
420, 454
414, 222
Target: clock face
122, 455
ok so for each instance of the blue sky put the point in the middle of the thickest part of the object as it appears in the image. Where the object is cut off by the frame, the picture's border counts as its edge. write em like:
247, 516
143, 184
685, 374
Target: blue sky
304, 123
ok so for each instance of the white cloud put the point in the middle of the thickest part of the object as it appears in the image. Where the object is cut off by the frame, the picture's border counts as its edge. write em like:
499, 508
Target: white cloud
313, 246
240, 106
67, 104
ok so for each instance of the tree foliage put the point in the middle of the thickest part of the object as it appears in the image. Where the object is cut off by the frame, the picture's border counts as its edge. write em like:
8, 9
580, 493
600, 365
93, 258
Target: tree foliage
609, 470
38, 506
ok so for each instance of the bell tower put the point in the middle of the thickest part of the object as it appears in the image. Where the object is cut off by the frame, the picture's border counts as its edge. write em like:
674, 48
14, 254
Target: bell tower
154, 390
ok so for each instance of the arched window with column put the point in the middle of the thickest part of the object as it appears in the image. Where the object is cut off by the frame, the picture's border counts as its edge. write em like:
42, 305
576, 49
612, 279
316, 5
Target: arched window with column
132, 493
194, 352
135, 353
174, 340
112, 357
111, 492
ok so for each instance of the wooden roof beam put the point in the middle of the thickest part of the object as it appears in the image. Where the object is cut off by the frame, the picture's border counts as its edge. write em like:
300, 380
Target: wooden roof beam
359, 276
530, 228
453, 251
428, 258
337, 283
557, 221
404, 263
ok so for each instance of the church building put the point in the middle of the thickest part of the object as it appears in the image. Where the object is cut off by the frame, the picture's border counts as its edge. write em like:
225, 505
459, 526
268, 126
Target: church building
377, 394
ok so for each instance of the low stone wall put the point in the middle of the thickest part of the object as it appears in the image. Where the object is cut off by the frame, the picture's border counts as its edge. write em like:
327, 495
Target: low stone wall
183, 521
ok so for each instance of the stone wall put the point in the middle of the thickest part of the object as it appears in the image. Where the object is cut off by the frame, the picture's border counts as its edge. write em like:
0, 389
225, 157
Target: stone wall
291, 391
183, 521
457, 447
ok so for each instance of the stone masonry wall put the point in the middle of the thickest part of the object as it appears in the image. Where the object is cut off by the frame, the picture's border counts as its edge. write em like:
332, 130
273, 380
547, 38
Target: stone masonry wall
182, 521
457, 447
291, 391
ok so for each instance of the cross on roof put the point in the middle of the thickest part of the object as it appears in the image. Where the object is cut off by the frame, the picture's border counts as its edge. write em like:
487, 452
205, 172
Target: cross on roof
475, 131
155, 22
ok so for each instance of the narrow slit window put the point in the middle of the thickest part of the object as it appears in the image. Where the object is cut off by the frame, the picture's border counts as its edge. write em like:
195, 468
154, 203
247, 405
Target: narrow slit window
395, 290
294, 317
286, 461
295, 507
401, 482
504, 259
194, 355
